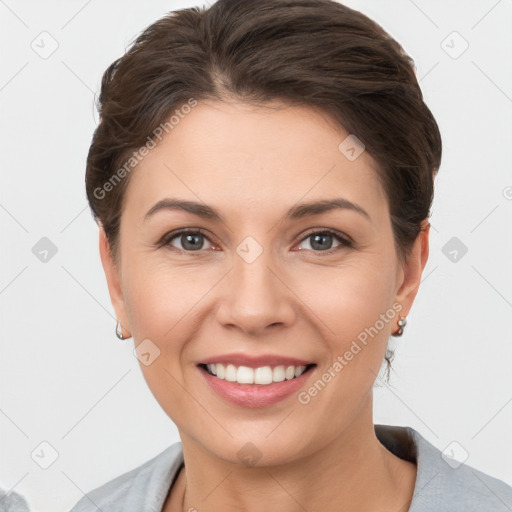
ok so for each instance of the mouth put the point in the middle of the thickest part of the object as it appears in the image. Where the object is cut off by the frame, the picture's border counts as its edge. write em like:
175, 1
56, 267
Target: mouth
259, 376
257, 386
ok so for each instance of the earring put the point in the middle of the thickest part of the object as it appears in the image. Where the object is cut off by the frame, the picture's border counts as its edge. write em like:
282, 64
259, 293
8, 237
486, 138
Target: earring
119, 331
401, 324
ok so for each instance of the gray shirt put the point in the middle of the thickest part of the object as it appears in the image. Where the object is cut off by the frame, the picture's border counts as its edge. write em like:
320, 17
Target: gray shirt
11, 501
442, 484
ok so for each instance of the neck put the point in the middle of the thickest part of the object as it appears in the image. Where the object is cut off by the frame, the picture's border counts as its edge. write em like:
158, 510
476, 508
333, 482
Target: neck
352, 473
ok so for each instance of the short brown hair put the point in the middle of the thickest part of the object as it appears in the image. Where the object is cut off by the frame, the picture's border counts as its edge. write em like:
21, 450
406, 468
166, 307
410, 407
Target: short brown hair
317, 53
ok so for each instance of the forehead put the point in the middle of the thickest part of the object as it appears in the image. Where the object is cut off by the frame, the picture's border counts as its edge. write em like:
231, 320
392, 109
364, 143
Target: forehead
238, 156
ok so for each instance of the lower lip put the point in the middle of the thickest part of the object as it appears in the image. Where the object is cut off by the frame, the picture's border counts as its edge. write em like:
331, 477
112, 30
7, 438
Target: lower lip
255, 395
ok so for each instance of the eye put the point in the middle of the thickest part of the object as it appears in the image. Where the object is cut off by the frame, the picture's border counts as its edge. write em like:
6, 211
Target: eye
189, 240
193, 240
322, 241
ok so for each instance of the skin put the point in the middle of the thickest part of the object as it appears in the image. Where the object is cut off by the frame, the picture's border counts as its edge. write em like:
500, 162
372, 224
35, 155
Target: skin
252, 165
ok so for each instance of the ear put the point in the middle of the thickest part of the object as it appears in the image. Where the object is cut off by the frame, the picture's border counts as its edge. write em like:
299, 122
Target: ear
113, 281
409, 276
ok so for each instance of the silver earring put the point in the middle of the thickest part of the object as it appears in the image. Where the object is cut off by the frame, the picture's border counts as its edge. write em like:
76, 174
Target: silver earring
119, 331
401, 324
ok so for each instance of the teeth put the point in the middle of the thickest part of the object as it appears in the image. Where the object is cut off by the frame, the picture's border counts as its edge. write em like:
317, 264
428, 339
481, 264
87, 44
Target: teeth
263, 375
245, 375
290, 372
230, 373
278, 374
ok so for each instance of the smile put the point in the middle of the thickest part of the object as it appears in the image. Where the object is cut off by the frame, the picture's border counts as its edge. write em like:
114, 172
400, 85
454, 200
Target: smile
259, 386
263, 375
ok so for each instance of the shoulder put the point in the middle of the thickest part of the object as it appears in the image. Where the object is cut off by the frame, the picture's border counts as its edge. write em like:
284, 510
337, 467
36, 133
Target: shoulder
11, 501
445, 485
142, 488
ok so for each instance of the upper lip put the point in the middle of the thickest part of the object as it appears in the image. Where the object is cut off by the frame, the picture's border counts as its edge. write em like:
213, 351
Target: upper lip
255, 361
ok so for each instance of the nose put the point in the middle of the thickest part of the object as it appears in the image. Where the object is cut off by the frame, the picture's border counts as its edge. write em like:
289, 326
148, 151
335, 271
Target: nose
256, 297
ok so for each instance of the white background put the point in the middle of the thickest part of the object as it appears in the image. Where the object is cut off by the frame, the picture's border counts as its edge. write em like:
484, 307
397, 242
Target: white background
67, 380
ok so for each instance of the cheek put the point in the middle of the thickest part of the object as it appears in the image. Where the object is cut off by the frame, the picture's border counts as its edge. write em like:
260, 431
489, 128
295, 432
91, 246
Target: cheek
352, 308
165, 302
161, 296
350, 298
160, 303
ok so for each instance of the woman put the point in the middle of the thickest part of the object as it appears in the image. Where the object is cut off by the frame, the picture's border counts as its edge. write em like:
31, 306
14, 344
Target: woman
262, 176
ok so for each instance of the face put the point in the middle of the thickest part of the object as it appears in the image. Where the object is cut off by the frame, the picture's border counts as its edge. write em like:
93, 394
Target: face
262, 279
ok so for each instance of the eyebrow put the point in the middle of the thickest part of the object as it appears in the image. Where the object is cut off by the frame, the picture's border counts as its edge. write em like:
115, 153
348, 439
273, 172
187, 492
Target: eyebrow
296, 212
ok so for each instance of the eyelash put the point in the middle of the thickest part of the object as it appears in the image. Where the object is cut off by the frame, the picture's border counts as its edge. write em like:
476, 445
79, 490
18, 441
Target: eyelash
343, 239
